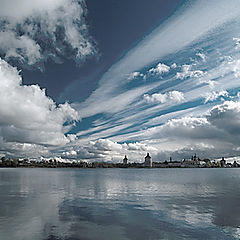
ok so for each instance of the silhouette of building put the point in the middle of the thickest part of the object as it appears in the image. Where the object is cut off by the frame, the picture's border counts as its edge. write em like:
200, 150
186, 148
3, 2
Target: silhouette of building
148, 161
223, 162
235, 164
125, 160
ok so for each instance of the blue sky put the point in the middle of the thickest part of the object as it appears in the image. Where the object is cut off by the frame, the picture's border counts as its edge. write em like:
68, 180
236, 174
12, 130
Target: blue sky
120, 78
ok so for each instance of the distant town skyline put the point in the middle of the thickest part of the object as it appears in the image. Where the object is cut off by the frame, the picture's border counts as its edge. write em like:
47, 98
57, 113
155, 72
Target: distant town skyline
193, 162
98, 80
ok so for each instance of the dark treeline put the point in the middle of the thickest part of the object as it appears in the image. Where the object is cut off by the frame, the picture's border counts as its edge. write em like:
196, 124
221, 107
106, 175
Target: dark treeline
192, 163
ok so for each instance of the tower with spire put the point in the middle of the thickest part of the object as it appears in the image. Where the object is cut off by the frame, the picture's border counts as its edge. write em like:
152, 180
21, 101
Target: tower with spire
148, 161
125, 160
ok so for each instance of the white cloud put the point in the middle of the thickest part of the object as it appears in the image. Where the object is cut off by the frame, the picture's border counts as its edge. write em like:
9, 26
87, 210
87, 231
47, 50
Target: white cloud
155, 98
214, 134
188, 72
219, 130
235, 67
25, 8
175, 96
98, 150
135, 75
237, 42
226, 117
10, 44
27, 115
111, 103
193, 21
108, 150
112, 98
184, 128
137, 146
202, 56
210, 74
215, 95
105, 145
32, 31
70, 154
29, 150
159, 69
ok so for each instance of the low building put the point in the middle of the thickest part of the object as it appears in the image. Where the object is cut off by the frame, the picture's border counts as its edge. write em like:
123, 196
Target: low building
235, 164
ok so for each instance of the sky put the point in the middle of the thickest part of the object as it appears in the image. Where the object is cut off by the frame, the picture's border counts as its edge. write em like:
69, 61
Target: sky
97, 80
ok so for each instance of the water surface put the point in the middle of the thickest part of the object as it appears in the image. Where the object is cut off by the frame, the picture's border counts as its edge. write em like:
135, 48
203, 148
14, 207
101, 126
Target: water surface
71, 204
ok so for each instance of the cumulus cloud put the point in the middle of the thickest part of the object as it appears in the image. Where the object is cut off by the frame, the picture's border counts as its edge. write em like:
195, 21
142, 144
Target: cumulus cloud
19, 47
137, 146
55, 23
217, 132
212, 135
234, 65
215, 95
175, 96
155, 98
98, 150
70, 154
16, 149
174, 65
176, 133
226, 117
135, 75
237, 42
188, 72
31, 32
105, 145
159, 69
27, 115
202, 56
108, 150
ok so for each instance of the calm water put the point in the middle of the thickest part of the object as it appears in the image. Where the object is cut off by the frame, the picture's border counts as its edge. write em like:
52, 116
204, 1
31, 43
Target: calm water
71, 204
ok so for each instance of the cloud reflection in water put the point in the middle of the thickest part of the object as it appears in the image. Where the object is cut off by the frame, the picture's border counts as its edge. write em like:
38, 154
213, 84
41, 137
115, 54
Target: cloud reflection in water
70, 204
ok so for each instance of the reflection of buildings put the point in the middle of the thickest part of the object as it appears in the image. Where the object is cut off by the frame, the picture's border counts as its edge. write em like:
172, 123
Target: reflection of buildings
125, 160
148, 161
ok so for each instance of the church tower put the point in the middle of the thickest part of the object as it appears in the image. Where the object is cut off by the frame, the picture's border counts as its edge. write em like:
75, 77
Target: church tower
148, 161
125, 160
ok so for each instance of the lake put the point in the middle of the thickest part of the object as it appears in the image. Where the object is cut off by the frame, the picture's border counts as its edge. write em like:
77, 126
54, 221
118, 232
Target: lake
112, 204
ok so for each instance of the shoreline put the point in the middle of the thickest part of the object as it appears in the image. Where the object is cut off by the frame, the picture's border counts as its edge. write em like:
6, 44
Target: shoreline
79, 167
